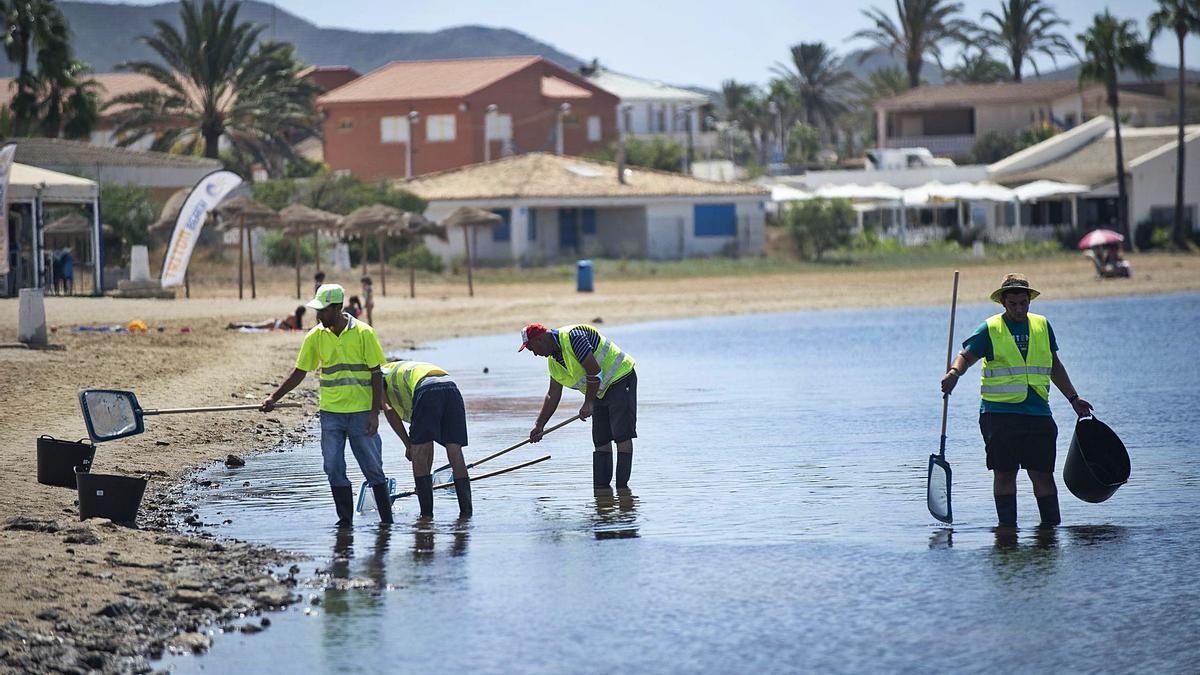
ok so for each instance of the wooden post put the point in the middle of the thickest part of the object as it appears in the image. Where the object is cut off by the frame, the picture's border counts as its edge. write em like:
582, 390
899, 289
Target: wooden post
250, 254
316, 246
296, 249
412, 269
241, 254
187, 287
467, 243
382, 267
364, 252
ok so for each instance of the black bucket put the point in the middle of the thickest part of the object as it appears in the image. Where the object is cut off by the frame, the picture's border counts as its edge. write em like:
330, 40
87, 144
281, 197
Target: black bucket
114, 497
1097, 463
57, 460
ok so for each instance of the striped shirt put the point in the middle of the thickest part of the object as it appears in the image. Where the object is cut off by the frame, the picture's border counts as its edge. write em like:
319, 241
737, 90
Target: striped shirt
584, 341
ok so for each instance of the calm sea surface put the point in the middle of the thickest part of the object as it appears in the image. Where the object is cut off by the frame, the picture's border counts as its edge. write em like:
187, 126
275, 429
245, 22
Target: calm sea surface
776, 520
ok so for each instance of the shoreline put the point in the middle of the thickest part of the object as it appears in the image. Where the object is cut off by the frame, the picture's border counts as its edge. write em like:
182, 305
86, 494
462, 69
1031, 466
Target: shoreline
90, 608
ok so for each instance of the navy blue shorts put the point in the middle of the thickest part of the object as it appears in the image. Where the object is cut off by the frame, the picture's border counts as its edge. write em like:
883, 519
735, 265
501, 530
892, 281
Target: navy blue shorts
438, 415
614, 417
1013, 441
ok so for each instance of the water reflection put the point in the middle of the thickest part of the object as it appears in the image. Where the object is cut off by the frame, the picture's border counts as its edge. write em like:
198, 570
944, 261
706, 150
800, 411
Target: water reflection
616, 514
1091, 535
942, 538
1024, 562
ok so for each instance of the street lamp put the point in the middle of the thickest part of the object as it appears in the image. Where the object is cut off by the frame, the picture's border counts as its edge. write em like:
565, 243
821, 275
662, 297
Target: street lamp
558, 131
413, 118
488, 116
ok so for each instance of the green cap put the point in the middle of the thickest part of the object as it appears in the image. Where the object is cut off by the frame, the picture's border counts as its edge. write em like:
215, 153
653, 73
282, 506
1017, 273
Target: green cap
328, 294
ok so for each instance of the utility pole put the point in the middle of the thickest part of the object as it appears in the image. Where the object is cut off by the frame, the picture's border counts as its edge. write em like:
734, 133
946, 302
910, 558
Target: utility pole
488, 117
558, 131
689, 154
413, 118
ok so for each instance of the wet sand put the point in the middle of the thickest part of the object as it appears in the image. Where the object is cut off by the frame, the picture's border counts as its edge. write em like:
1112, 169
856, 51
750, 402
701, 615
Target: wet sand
117, 595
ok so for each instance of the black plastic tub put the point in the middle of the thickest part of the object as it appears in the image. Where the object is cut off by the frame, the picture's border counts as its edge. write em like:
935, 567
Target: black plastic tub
57, 460
1097, 463
117, 498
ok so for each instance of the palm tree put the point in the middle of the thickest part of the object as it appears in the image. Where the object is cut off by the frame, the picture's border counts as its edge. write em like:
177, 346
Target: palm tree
1111, 45
70, 106
1024, 28
215, 85
1183, 17
979, 67
33, 29
819, 81
922, 27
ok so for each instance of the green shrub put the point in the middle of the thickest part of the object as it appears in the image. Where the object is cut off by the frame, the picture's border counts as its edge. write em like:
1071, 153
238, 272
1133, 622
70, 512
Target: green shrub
422, 258
819, 225
281, 250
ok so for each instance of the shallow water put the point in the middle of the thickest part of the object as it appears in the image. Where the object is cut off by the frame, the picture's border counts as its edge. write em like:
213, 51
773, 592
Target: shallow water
776, 520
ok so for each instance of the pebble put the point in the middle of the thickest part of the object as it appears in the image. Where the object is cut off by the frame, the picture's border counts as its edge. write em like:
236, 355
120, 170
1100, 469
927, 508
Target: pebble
234, 461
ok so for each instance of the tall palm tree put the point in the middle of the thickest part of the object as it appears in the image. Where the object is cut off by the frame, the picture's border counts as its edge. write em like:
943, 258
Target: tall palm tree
213, 84
920, 29
1024, 28
819, 80
1111, 45
1183, 17
33, 29
70, 104
978, 67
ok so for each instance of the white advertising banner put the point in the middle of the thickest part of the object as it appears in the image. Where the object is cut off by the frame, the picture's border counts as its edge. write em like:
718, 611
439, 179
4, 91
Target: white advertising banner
6, 162
204, 197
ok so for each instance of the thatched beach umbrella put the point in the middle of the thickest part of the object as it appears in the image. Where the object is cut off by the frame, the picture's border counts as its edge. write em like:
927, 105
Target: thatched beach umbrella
300, 220
374, 219
414, 228
469, 217
247, 213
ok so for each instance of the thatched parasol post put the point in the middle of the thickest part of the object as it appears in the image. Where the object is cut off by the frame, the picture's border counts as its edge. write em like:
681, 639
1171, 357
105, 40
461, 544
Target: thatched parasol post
382, 265
250, 251
467, 246
296, 251
241, 253
316, 249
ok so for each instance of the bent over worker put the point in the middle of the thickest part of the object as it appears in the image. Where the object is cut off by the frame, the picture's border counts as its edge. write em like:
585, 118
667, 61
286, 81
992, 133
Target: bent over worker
349, 355
579, 357
1020, 360
423, 395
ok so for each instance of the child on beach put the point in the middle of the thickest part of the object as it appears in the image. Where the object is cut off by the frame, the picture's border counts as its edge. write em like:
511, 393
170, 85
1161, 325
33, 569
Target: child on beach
368, 294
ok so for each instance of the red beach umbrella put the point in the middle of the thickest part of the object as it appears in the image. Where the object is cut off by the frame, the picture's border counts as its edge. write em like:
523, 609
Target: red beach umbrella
1100, 238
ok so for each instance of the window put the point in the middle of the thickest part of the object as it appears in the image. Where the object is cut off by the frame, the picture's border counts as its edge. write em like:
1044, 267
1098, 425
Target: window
532, 225
345, 124
714, 220
499, 127
439, 128
503, 230
660, 120
393, 129
593, 128
589, 221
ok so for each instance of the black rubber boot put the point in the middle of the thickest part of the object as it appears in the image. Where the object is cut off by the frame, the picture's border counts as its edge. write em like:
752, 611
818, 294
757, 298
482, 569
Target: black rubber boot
383, 502
1048, 507
624, 468
462, 489
343, 501
602, 468
425, 495
1006, 510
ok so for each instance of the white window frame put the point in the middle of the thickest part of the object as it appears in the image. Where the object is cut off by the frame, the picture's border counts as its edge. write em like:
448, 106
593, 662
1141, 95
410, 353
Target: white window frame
595, 129
440, 128
499, 127
393, 129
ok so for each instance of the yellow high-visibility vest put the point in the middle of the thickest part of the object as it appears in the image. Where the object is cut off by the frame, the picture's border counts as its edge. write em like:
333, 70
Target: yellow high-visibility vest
614, 363
346, 362
1007, 377
400, 379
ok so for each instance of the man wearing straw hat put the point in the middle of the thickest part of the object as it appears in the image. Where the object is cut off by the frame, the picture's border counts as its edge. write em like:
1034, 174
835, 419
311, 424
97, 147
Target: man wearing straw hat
1020, 360
581, 358
349, 355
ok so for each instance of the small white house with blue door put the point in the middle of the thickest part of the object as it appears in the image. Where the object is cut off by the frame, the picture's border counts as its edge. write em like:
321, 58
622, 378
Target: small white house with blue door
560, 208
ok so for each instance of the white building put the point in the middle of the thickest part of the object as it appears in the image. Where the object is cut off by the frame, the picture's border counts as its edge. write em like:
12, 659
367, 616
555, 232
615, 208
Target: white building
649, 108
560, 207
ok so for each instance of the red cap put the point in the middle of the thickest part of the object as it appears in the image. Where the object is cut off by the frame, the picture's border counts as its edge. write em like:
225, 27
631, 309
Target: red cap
531, 331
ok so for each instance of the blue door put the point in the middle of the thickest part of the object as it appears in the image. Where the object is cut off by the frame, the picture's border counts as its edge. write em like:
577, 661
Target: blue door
568, 229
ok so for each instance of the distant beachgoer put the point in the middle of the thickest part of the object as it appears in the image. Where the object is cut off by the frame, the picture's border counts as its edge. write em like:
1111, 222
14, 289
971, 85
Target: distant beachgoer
355, 308
369, 299
290, 322
318, 281
423, 395
1020, 360
67, 265
349, 356
579, 357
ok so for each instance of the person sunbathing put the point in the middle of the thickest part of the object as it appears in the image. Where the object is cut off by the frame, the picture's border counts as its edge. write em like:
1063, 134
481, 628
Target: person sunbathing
290, 322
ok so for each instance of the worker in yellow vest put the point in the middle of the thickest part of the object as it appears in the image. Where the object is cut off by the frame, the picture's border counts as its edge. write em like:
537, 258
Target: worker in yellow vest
349, 355
1020, 360
579, 357
423, 395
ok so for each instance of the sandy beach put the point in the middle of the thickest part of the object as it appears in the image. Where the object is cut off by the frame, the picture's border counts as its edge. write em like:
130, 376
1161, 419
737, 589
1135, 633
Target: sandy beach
95, 596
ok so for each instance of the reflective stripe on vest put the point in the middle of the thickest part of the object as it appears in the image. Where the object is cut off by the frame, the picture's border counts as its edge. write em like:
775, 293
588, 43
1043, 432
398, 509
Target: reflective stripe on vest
1007, 377
614, 363
402, 378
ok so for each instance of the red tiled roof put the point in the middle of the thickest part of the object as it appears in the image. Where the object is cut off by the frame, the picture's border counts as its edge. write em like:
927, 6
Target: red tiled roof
453, 78
940, 96
557, 88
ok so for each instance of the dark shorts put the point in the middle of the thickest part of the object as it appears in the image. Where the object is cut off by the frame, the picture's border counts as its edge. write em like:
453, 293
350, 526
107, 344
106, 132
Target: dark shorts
614, 417
1019, 441
438, 415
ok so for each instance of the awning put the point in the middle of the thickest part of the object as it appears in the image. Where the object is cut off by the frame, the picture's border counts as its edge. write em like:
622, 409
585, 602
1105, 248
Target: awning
874, 192
784, 193
1042, 189
25, 181
935, 191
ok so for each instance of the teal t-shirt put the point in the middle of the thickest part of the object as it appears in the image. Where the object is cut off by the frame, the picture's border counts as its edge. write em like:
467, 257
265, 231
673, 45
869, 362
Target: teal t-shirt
980, 345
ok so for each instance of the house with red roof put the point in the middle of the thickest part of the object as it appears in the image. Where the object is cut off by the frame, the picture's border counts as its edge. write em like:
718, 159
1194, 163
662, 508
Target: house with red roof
410, 118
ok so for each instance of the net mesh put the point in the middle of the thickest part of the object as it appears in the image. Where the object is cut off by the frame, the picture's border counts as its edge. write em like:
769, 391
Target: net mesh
938, 495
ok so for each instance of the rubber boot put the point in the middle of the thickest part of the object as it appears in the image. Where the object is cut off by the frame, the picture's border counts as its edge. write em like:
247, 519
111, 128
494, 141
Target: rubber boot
343, 501
383, 502
462, 489
624, 468
1006, 510
425, 495
602, 468
1048, 507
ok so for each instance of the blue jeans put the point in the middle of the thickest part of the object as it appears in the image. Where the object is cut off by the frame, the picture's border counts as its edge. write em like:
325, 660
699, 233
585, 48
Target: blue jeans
368, 450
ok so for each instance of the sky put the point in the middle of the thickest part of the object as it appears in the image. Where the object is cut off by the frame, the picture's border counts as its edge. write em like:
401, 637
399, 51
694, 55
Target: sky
697, 42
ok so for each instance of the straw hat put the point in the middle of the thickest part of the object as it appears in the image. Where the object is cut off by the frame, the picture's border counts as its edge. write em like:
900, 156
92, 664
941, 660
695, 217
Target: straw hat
1013, 281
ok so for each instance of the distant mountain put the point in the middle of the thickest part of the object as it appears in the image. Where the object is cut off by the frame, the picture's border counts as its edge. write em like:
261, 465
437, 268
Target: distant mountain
1163, 74
862, 63
105, 35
